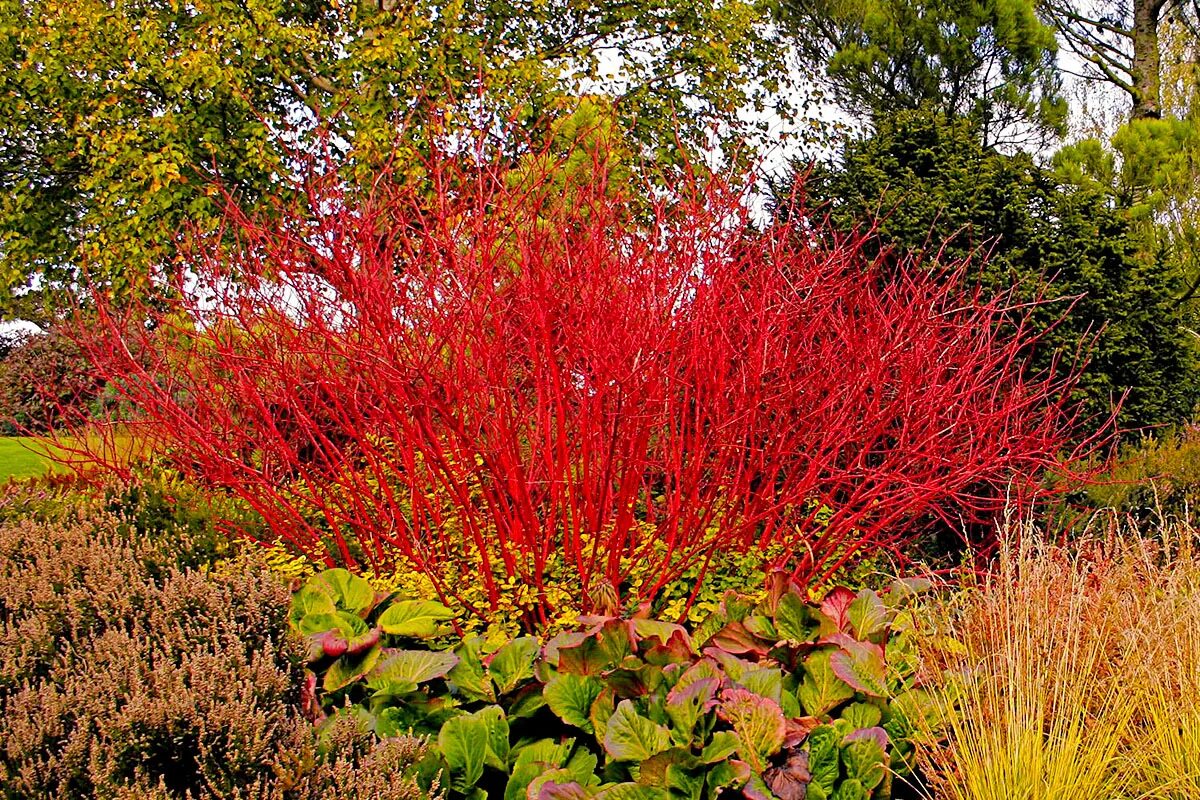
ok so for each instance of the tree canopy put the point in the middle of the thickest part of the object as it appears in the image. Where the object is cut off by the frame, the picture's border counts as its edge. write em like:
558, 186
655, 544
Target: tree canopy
117, 117
992, 60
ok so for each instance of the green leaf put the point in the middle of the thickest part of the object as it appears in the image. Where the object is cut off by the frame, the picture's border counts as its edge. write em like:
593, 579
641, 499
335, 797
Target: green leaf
496, 725
468, 674
764, 681
868, 616
851, 790
571, 698
821, 690
413, 667
632, 737
824, 757
685, 705
793, 619
533, 760
862, 715
349, 668
723, 745
312, 599
757, 722
349, 592
513, 663
419, 619
463, 742
730, 774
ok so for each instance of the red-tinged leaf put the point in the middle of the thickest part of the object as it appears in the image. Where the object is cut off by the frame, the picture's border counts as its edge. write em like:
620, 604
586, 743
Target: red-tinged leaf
735, 638
834, 608
757, 722
798, 730
676, 650
875, 734
860, 665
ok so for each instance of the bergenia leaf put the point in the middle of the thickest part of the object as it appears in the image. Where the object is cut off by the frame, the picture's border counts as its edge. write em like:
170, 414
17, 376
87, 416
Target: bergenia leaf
513, 663
757, 722
868, 617
833, 610
571, 698
411, 667
419, 619
632, 737
860, 664
349, 592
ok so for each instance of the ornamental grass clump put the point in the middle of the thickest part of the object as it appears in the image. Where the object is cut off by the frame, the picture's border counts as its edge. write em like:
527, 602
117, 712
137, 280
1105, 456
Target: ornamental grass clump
487, 377
1072, 672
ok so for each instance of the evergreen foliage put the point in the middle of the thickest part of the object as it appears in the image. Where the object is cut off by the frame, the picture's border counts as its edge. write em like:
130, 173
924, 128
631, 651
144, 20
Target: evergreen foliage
928, 184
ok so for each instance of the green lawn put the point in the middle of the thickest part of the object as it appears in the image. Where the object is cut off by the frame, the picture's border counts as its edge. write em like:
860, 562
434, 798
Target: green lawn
19, 458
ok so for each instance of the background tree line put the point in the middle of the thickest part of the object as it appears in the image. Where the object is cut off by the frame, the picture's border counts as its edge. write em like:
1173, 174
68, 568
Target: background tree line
118, 118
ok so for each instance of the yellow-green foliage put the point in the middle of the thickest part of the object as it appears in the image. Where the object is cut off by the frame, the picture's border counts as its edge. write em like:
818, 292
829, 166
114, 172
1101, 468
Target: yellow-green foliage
1157, 476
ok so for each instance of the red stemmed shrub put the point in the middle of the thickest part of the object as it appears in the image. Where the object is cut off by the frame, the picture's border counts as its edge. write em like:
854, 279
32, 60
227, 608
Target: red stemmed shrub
502, 368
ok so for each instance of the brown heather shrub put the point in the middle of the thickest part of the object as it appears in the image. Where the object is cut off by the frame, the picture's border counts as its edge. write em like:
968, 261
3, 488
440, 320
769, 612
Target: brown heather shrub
123, 677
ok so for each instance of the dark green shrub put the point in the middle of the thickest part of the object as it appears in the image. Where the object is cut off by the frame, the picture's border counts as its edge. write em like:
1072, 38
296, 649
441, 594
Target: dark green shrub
778, 697
122, 676
927, 185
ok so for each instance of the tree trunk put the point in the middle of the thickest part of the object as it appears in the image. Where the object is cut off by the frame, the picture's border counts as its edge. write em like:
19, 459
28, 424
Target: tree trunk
1146, 95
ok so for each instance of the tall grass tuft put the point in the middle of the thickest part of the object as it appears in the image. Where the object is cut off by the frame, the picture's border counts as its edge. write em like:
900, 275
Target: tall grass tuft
1042, 711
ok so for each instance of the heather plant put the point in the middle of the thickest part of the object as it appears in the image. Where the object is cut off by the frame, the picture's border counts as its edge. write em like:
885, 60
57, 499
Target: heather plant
486, 377
768, 696
121, 676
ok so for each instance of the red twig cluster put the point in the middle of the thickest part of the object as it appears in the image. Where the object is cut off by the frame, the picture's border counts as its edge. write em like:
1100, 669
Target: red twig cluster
501, 365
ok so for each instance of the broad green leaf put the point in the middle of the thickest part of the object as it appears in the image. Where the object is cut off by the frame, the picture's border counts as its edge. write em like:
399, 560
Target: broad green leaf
632, 737
513, 663
757, 722
496, 725
731, 774
821, 690
685, 784
463, 742
862, 715
868, 616
794, 620
349, 592
468, 674
851, 790
824, 757
686, 704
532, 760
312, 599
349, 668
723, 745
764, 681
411, 667
571, 698
418, 619
602, 711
